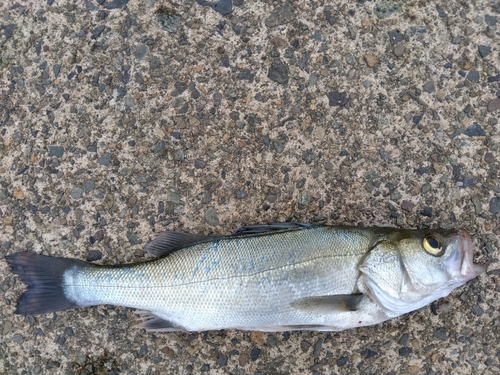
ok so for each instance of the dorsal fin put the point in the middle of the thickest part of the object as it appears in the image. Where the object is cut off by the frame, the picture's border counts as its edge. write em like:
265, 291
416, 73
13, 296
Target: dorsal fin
263, 228
169, 241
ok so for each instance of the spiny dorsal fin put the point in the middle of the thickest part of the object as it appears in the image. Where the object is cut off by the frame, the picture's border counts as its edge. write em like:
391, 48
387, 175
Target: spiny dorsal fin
167, 242
329, 304
263, 228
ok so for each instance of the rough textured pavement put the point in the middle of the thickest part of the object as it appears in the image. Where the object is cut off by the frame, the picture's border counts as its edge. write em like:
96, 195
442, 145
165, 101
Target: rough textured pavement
120, 119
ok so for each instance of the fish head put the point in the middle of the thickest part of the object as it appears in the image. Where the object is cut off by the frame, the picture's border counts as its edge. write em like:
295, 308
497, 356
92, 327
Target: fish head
407, 270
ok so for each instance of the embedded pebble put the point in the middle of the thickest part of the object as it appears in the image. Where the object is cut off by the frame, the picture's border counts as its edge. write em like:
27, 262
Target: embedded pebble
211, 217
493, 105
105, 159
494, 205
56, 151
76, 192
484, 50
473, 76
281, 15
441, 334
278, 72
399, 50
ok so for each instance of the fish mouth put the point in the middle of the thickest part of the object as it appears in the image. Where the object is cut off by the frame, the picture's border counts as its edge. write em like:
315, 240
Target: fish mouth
460, 264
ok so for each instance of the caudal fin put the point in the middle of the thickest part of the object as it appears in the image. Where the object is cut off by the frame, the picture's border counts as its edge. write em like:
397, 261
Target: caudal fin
44, 277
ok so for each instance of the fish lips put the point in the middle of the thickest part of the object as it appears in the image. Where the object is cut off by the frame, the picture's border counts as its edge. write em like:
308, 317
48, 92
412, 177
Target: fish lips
460, 264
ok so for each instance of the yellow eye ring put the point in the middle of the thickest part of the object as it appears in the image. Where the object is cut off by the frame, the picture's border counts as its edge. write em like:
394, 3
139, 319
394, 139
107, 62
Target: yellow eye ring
432, 245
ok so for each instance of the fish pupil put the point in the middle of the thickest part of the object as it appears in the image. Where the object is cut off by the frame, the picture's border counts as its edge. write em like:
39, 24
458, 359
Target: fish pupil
433, 242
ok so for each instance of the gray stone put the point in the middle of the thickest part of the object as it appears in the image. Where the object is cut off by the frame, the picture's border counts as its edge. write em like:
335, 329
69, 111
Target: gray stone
484, 50
478, 310
395, 36
199, 164
91, 7
425, 188
56, 69
240, 194
414, 30
304, 198
440, 334
98, 30
475, 130
490, 20
495, 205
17, 338
105, 159
336, 98
6, 245
211, 217
141, 51
159, 147
278, 72
116, 4
76, 192
173, 197
317, 347
179, 155
88, 185
399, 50
8, 30
56, 151
493, 105
473, 76
476, 201
133, 238
168, 22
281, 15
222, 6
271, 341
429, 87
94, 255
385, 10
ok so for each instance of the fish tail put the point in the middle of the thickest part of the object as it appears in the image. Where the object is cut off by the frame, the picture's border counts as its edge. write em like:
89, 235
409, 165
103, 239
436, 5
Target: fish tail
44, 277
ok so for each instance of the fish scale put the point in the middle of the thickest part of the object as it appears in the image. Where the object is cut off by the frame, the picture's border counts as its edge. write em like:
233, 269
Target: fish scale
227, 274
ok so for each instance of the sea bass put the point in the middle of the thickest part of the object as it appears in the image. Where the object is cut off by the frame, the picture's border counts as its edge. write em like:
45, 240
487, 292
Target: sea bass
275, 277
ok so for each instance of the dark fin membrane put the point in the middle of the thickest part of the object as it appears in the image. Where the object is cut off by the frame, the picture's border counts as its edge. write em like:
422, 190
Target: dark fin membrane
263, 228
329, 304
44, 277
168, 242
151, 323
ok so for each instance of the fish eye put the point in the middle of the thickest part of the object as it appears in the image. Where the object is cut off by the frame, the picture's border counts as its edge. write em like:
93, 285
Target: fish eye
433, 245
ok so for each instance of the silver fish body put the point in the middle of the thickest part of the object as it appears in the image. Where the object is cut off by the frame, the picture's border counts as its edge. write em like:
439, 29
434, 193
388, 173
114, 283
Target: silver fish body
303, 277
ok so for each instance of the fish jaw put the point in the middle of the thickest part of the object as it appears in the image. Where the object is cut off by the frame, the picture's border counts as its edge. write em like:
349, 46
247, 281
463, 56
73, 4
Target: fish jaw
460, 264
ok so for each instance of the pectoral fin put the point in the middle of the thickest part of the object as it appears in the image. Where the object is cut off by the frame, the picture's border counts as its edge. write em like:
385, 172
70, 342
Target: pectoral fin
329, 304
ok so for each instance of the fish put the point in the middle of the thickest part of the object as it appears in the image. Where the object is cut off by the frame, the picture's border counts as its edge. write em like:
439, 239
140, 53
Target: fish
271, 277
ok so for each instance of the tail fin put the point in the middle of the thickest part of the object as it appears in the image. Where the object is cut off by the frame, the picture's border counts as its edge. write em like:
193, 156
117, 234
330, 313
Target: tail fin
44, 277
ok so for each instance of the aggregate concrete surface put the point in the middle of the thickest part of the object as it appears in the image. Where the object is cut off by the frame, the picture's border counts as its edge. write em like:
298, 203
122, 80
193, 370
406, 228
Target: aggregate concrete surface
123, 118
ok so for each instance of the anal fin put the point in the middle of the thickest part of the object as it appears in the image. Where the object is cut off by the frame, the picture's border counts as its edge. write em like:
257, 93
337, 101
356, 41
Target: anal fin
152, 323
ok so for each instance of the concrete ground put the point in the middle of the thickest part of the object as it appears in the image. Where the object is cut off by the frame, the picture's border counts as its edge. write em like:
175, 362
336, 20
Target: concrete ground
123, 118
